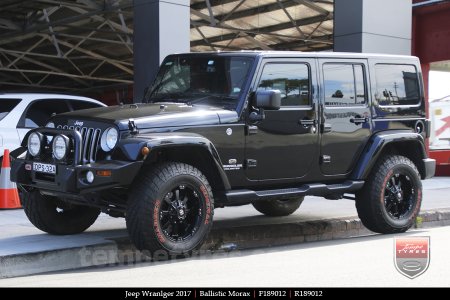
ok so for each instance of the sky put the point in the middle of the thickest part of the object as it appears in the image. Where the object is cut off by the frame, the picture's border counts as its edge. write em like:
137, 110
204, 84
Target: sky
439, 85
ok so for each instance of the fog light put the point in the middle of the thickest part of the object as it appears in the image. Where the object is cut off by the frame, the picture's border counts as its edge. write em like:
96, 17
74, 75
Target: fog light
60, 146
90, 177
34, 143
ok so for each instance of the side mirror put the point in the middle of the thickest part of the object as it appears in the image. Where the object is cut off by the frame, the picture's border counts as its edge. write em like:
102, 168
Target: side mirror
270, 99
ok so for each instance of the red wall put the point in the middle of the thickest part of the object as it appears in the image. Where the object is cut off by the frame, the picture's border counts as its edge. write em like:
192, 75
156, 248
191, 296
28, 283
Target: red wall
431, 43
431, 32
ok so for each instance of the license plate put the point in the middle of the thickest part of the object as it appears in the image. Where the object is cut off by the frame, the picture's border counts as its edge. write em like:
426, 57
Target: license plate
44, 168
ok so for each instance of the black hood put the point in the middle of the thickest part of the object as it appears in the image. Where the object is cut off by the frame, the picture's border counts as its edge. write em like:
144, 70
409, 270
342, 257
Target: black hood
154, 115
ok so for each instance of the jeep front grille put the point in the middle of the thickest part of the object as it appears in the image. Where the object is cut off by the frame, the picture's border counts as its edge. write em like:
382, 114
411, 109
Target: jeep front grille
90, 138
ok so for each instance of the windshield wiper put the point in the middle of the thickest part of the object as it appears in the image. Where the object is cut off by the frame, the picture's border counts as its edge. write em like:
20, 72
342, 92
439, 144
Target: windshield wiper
170, 97
214, 96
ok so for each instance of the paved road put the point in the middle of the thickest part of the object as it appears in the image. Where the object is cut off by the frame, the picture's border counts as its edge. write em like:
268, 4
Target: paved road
19, 236
364, 261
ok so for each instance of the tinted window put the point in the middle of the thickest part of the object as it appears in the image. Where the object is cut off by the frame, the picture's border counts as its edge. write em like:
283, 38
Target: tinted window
77, 105
292, 80
344, 84
40, 111
397, 85
7, 105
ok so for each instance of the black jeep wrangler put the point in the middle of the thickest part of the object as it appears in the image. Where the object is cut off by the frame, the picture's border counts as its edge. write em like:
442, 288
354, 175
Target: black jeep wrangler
223, 129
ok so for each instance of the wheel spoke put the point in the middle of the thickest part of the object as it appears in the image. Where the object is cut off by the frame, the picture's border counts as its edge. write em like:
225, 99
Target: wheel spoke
393, 181
399, 195
175, 231
178, 215
168, 198
165, 225
389, 206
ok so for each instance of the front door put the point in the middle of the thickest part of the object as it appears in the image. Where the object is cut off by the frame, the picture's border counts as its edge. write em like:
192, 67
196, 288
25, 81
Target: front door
346, 124
285, 144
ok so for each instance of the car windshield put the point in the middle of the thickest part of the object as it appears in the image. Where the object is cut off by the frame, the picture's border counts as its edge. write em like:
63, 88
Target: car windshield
213, 80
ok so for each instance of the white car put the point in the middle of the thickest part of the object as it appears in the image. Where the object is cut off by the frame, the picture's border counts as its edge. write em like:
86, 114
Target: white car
20, 113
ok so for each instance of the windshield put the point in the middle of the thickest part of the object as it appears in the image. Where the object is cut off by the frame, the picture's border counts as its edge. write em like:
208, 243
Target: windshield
216, 81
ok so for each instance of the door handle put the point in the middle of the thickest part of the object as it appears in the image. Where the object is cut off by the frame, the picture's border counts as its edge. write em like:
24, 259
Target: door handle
359, 120
307, 123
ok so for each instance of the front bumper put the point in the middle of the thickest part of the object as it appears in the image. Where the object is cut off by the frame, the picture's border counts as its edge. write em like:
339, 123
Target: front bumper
429, 167
72, 179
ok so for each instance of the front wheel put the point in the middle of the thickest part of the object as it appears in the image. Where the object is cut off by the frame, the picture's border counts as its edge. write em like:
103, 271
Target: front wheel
170, 209
390, 200
55, 216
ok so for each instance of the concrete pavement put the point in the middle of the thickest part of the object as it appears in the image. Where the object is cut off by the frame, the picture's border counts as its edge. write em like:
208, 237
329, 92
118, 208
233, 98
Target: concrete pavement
356, 262
26, 250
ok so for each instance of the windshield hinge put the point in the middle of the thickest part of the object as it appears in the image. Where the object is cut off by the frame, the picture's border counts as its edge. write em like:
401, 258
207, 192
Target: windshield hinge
132, 127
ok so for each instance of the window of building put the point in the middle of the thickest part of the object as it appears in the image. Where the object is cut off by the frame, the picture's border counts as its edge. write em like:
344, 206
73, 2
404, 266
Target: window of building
344, 84
291, 79
397, 85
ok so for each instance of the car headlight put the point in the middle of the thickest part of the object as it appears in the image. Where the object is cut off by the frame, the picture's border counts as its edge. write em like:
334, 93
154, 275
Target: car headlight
34, 143
60, 146
109, 139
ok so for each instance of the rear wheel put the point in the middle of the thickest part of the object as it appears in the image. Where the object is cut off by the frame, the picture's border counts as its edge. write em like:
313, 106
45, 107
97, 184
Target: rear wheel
278, 208
54, 216
170, 209
391, 198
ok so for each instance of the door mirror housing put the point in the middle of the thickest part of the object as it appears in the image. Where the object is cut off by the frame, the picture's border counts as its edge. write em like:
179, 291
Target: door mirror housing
269, 99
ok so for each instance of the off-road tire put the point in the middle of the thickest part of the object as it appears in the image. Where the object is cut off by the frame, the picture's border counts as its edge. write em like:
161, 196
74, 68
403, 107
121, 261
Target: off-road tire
374, 201
278, 208
151, 206
57, 217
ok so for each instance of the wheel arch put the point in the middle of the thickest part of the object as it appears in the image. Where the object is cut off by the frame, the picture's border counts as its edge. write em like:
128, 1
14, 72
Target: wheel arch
194, 150
405, 143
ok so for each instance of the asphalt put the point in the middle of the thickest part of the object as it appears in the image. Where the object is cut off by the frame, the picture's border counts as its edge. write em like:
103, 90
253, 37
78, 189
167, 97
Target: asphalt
24, 250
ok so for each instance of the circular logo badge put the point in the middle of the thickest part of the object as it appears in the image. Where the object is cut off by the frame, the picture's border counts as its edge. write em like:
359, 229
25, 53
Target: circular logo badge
229, 131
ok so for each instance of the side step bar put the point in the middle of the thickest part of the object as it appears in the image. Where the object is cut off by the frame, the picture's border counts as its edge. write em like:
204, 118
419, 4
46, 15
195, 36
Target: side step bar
314, 189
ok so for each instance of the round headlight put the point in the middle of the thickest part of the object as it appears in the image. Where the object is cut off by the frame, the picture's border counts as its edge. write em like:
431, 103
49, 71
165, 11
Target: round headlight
60, 146
34, 144
109, 139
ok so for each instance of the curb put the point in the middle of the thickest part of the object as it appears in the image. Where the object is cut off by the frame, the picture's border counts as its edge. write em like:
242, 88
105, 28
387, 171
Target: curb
121, 251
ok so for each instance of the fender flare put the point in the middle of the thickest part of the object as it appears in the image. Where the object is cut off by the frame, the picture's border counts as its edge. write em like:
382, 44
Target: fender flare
377, 143
132, 145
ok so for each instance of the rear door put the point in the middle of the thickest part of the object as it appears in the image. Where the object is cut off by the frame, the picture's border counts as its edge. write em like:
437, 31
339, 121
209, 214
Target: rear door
346, 124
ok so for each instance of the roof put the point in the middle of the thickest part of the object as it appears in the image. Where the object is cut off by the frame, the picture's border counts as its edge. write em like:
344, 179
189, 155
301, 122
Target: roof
300, 54
45, 96
86, 46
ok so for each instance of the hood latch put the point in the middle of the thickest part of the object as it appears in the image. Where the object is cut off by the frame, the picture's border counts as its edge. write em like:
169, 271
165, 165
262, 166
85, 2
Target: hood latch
132, 127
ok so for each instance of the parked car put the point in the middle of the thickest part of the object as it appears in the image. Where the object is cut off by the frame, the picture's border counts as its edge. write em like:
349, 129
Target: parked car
21, 112
233, 128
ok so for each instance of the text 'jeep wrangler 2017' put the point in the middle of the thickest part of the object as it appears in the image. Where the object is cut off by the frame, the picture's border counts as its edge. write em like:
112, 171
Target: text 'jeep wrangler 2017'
222, 129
